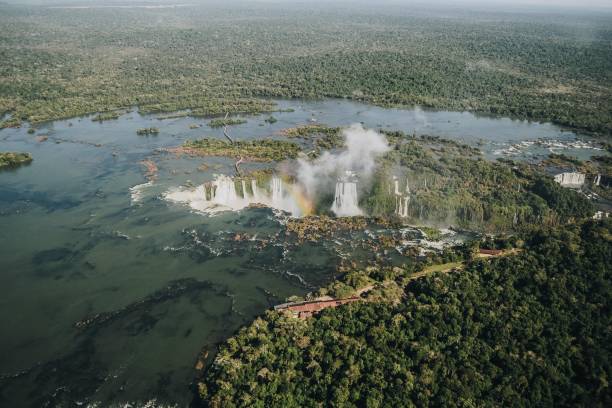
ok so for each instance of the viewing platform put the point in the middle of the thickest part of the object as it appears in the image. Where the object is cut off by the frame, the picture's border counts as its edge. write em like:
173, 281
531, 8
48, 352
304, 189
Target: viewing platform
309, 308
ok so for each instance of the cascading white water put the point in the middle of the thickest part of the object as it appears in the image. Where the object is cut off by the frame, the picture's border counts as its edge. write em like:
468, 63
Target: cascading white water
281, 201
224, 196
255, 195
277, 192
225, 192
244, 190
401, 199
402, 206
346, 201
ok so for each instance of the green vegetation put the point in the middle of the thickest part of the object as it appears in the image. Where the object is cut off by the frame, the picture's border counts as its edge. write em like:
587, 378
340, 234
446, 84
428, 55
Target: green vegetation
445, 267
562, 159
308, 131
323, 137
598, 167
451, 183
565, 202
431, 233
209, 106
532, 329
271, 119
317, 228
147, 131
173, 115
9, 159
217, 123
256, 150
101, 117
59, 63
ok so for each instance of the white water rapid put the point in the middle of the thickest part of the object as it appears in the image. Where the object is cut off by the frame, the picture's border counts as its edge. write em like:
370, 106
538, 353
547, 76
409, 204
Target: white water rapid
225, 197
346, 201
401, 199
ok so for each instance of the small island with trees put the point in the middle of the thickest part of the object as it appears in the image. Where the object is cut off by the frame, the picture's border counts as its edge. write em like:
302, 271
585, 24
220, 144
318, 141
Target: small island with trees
218, 123
11, 159
151, 131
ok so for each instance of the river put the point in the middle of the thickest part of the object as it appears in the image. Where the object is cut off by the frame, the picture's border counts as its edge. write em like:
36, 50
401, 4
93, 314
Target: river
78, 239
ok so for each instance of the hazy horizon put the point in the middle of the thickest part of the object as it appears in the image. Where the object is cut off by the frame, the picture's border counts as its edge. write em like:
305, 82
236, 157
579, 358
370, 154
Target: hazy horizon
492, 4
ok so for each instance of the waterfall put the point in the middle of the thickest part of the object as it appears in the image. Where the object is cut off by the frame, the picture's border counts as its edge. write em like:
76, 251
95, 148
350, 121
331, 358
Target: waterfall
224, 196
225, 192
201, 191
346, 202
284, 197
572, 180
401, 206
255, 195
401, 199
277, 192
404, 212
398, 205
244, 191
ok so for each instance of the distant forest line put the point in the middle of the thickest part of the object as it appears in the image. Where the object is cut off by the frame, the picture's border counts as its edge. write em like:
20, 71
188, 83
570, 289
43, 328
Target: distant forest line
61, 63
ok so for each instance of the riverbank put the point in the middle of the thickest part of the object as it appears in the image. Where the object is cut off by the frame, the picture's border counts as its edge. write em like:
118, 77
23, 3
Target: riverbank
470, 65
93, 237
487, 319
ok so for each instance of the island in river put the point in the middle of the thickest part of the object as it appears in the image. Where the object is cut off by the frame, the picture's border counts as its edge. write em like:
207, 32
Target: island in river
109, 268
196, 165
12, 159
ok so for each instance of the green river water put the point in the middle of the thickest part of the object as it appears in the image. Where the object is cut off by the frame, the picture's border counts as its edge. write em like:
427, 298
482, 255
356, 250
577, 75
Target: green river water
75, 241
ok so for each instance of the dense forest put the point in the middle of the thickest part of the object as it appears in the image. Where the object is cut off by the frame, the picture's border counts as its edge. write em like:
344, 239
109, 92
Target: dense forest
213, 59
532, 329
254, 150
452, 184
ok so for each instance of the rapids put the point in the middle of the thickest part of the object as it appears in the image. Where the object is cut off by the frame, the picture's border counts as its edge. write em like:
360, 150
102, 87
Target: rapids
84, 231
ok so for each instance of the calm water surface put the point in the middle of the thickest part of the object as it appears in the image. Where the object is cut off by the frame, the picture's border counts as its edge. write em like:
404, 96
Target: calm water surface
75, 242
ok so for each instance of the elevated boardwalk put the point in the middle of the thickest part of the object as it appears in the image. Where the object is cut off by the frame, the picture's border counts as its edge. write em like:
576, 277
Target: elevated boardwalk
309, 308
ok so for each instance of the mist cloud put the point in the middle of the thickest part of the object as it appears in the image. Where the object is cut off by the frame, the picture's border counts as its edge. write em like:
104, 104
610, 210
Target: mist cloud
362, 147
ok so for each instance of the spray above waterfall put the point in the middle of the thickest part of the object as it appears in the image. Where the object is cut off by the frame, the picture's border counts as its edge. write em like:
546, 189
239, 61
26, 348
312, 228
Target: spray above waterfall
342, 173
222, 195
346, 201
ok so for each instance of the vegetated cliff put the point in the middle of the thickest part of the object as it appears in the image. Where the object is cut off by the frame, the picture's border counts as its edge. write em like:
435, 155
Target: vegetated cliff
530, 329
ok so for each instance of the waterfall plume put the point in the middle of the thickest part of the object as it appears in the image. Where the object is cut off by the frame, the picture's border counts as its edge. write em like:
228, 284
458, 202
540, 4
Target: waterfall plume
346, 201
221, 195
322, 175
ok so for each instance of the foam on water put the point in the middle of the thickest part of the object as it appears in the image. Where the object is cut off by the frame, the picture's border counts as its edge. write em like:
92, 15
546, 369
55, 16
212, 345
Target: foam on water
136, 192
346, 201
224, 197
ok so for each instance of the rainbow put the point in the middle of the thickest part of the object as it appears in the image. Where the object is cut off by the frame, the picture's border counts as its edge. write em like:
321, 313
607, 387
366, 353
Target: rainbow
304, 202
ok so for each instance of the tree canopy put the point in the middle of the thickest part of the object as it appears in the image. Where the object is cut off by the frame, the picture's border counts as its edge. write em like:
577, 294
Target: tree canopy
531, 329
